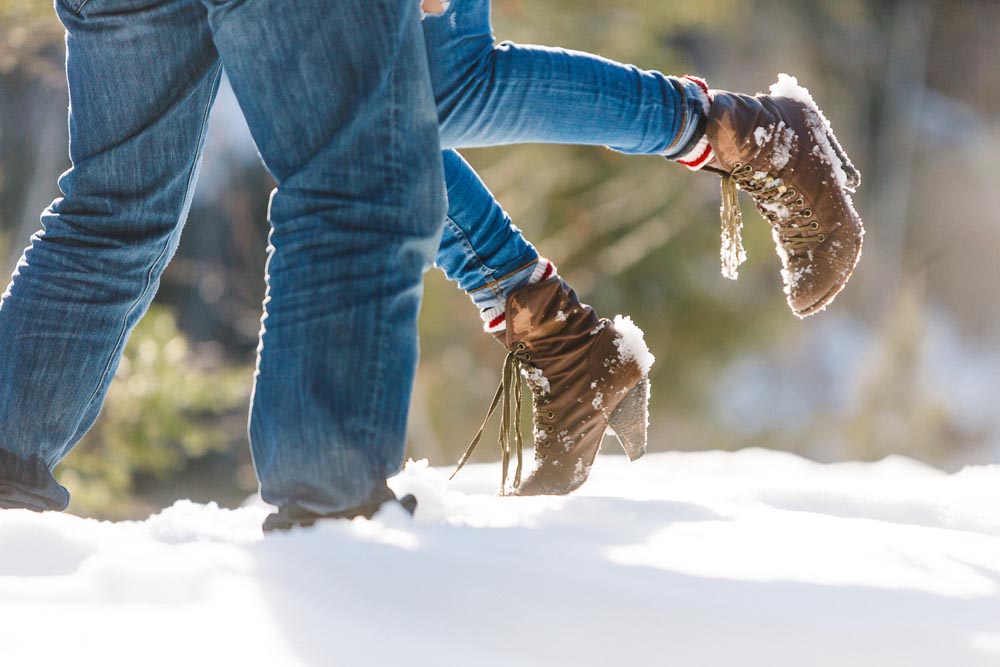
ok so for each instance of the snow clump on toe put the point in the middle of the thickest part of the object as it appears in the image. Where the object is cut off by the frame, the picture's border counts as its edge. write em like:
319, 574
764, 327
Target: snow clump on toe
631, 343
788, 86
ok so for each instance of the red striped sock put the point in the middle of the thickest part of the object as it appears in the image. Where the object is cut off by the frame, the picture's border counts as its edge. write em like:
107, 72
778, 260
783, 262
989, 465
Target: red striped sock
495, 319
702, 153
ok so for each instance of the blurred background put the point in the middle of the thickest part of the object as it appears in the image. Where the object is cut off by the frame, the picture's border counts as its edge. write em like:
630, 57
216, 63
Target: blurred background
906, 362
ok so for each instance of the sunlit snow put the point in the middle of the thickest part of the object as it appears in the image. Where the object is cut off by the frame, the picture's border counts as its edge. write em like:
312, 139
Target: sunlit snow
751, 558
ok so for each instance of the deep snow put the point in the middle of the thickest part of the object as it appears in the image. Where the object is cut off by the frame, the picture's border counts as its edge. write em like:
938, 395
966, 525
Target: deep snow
752, 558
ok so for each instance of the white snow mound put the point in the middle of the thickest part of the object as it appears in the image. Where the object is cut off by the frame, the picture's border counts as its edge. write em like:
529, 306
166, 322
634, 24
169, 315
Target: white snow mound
752, 558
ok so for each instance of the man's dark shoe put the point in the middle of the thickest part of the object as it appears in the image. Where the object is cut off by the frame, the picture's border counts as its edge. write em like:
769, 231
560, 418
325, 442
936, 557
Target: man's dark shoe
288, 518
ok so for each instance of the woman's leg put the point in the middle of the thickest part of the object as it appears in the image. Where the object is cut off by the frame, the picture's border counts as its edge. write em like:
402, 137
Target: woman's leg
481, 248
585, 373
777, 146
480, 245
490, 94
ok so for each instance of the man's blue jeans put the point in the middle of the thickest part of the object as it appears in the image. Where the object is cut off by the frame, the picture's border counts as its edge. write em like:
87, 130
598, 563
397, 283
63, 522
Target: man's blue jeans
489, 94
338, 98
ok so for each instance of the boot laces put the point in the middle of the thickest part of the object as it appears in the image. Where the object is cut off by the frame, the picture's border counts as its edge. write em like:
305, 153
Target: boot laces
508, 398
779, 204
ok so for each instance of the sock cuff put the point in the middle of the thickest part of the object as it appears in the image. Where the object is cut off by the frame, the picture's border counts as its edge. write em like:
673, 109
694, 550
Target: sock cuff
689, 145
494, 319
698, 156
697, 152
543, 271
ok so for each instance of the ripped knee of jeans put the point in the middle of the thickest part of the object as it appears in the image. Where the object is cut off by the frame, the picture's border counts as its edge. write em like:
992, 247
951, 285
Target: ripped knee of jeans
434, 7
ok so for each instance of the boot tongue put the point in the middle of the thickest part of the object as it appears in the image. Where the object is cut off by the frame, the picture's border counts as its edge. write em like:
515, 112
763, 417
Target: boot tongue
715, 166
501, 337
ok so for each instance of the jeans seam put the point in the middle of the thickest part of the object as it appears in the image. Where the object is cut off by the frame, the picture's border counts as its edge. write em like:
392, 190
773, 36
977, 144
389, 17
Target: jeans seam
163, 251
378, 390
76, 9
498, 293
481, 267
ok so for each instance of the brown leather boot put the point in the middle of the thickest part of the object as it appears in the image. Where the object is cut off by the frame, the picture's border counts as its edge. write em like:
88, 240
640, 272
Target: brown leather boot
780, 149
586, 375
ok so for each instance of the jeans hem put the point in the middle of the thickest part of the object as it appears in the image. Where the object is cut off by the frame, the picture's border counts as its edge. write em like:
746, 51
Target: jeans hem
496, 281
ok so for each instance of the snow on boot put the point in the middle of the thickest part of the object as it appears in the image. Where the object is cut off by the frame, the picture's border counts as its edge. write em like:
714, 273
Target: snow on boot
780, 149
587, 376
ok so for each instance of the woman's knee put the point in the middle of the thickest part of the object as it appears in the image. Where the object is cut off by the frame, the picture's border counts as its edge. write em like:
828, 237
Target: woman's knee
459, 41
434, 7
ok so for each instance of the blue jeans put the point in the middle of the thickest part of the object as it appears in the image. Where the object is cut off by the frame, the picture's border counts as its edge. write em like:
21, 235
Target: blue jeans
356, 219
489, 94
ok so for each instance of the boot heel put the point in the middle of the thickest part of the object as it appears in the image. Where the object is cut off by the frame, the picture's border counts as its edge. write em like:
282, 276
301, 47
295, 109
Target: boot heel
630, 419
850, 171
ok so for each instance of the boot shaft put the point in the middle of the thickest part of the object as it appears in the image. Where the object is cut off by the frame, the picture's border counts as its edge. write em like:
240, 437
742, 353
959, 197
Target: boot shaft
583, 374
550, 327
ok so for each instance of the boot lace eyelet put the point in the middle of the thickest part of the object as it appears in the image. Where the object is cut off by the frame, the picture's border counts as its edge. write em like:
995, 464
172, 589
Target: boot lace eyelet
814, 225
549, 414
821, 238
520, 347
543, 456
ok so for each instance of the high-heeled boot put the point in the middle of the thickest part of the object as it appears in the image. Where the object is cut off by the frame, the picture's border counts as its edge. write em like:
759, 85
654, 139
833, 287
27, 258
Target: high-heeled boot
780, 149
587, 375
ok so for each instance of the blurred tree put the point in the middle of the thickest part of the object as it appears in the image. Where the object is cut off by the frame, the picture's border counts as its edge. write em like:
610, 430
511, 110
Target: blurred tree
171, 404
32, 118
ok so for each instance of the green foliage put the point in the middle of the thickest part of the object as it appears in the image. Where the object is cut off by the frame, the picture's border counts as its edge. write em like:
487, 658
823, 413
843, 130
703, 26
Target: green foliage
169, 403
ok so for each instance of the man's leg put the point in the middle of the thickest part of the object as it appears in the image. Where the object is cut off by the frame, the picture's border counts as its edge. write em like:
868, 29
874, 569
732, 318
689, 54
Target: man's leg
338, 99
142, 78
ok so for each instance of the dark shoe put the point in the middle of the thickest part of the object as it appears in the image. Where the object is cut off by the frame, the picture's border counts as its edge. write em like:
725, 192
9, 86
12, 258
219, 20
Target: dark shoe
584, 375
287, 518
779, 148
27, 483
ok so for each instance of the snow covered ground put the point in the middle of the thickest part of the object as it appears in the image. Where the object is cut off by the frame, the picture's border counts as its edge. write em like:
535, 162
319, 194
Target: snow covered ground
752, 558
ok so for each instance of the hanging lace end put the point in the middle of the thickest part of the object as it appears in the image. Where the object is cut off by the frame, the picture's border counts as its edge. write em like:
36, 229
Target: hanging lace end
732, 252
